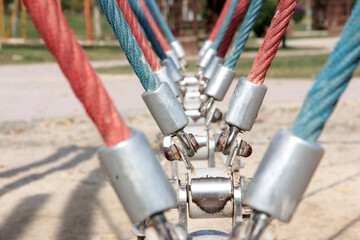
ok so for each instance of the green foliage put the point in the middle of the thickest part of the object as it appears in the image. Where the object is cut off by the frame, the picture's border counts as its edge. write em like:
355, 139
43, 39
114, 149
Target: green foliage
73, 5
265, 17
299, 13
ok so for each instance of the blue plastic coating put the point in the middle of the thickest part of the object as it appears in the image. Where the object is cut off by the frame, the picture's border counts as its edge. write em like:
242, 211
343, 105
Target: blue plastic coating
331, 82
243, 34
154, 8
129, 44
137, 9
224, 26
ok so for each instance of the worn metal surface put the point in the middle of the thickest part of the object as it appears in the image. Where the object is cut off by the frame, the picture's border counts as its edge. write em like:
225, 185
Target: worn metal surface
283, 175
204, 48
219, 84
212, 67
178, 49
165, 109
245, 104
204, 61
163, 75
133, 174
210, 193
171, 54
173, 70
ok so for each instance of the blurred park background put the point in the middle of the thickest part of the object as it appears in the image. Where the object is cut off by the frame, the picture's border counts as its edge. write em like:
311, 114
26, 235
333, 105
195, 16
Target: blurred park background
191, 22
51, 185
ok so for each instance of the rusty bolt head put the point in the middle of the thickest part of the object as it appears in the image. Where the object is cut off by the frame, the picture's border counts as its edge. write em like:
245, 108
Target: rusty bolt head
217, 116
203, 108
220, 144
193, 142
171, 153
245, 149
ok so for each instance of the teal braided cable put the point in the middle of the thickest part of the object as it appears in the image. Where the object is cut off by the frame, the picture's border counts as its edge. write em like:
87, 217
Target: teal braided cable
137, 9
159, 17
224, 26
245, 29
331, 82
129, 44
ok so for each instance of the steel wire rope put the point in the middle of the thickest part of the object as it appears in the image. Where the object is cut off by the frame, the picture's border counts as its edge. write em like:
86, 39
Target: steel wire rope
62, 43
136, 30
234, 23
159, 17
273, 37
224, 26
160, 37
220, 20
243, 34
140, 14
331, 82
129, 44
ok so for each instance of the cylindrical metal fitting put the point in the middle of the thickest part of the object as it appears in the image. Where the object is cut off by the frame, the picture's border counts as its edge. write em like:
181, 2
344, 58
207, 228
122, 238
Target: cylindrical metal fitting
137, 177
173, 71
283, 175
163, 75
178, 49
245, 104
204, 48
219, 84
171, 54
201, 135
204, 60
212, 67
210, 194
165, 109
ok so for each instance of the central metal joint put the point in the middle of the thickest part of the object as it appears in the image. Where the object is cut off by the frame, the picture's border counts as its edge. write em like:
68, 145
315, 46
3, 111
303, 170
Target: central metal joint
212, 193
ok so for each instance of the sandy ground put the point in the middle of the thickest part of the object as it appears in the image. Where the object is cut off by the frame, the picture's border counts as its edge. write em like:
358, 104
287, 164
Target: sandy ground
51, 186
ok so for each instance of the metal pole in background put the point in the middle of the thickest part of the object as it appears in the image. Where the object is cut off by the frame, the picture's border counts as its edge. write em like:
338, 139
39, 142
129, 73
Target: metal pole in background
88, 23
23, 22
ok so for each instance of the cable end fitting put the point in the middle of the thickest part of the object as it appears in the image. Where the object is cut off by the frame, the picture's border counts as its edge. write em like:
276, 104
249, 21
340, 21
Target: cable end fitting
178, 49
205, 47
286, 169
132, 166
165, 109
245, 104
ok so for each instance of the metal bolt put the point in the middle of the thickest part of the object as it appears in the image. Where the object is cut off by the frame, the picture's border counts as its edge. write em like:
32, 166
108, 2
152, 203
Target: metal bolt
217, 116
193, 142
245, 149
220, 144
171, 153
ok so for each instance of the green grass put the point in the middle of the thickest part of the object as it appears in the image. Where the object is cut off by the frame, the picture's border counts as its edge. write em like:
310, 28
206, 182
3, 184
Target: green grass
75, 20
13, 54
282, 67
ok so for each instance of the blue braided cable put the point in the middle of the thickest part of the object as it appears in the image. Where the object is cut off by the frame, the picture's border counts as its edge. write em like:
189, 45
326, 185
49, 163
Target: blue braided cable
243, 34
154, 8
137, 9
129, 44
331, 82
224, 26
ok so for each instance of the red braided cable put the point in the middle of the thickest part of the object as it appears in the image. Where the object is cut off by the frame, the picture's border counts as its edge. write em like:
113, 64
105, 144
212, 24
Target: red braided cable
230, 32
220, 20
61, 41
138, 34
271, 42
160, 37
